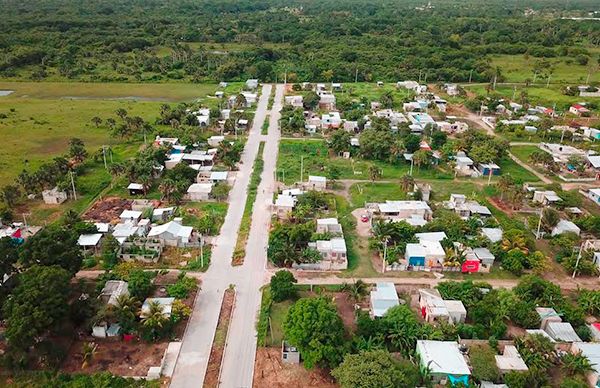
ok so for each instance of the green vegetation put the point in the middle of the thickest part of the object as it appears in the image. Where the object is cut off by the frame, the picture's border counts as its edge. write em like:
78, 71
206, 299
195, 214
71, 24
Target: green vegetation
61, 380
240, 246
205, 217
523, 68
325, 41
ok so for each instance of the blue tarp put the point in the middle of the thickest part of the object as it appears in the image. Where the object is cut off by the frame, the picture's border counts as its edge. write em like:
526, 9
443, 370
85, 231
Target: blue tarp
417, 261
458, 379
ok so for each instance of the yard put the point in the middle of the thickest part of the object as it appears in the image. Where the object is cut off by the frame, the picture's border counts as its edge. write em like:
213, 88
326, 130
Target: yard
317, 161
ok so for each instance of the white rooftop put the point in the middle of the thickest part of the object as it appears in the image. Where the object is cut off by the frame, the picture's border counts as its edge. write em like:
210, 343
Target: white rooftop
316, 178
166, 303
135, 186
383, 297
285, 200
89, 240
431, 236
200, 188
510, 360
443, 357
493, 234
397, 206
131, 214
173, 228
218, 176
562, 331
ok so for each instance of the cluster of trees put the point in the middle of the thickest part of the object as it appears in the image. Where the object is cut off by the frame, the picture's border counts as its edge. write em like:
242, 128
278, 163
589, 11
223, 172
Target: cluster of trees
327, 41
288, 240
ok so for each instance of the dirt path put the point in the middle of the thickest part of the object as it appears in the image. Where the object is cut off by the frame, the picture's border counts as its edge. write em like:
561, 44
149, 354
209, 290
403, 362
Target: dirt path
527, 167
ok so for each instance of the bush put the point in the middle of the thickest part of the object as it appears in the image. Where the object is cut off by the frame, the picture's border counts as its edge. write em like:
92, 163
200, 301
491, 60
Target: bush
483, 363
182, 288
140, 283
282, 286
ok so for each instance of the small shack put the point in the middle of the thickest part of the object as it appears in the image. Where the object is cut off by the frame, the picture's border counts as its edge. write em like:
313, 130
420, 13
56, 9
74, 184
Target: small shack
289, 354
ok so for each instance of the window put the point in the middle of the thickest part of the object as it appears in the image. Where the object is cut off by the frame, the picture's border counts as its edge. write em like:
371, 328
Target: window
285, 356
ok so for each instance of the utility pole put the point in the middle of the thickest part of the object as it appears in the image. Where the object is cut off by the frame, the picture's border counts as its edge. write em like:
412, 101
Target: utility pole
202, 251
470, 75
495, 79
548, 83
73, 185
385, 254
514, 92
490, 176
301, 167
356, 75
577, 262
587, 80
537, 234
104, 156
534, 77
419, 76
411, 164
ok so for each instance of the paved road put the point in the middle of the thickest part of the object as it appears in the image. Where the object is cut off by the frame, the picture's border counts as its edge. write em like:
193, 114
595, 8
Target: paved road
240, 352
197, 341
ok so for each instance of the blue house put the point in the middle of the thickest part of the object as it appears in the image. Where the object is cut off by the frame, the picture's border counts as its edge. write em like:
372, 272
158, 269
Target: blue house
485, 168
415, 254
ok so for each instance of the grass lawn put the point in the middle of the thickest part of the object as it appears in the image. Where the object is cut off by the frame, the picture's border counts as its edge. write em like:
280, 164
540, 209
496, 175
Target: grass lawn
317, 161
372, 92
509, 166
173, 92
518, 68
536, 95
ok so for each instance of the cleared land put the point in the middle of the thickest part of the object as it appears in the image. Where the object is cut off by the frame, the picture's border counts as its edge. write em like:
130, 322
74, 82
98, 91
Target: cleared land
518, 68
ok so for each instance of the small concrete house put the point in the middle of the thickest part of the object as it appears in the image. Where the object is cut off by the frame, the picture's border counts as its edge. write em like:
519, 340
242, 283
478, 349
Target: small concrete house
510, 361
383, 298
112, 290
289, 354
90, 243
54, 196
444, 360
592, 352
135, 189
172, 234
131, 216
547, 315
546, 197
317, 183
295, 101
435, 309
284, 205
199, 191
565, 226
252, 84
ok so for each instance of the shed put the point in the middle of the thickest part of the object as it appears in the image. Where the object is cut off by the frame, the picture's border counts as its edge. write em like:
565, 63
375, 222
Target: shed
489, 168
592, 352
135, 189
493, 234
562, 331
89, 242
565, 226
289, 354
112, 290
316, 182
456, 310
383, 298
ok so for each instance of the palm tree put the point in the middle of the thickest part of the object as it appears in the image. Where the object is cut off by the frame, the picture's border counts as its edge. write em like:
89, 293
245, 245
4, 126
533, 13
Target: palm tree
421, 157
455, 257
89, 351
504, 183
515, 242
374, 173
407, 182
96, 121
357, 290
122, 113
154, 320
576, 364
126, 310
167, 188
396, 150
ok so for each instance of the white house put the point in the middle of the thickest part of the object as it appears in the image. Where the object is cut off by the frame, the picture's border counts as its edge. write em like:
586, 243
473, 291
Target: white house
252, 84
465, 208
199, 191
593, 195
416, 213
565, 226
172, 234
464, 165
131, 216
433, 308
493, 234
383, 298
327, 101
284, 205
579, 110
317, 183
90, 242
295, 101
546, 197
444, 360
214, 141
54, 196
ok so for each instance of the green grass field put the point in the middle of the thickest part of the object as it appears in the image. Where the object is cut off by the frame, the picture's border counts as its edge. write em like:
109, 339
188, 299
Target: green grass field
372, 92
518, 68
536, 95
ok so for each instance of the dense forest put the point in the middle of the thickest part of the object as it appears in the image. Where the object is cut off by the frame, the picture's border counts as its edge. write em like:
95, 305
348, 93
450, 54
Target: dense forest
214, 40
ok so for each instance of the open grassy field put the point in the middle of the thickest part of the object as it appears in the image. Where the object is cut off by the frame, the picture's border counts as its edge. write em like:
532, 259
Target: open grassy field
172, 92
372, 92
536, 95
518, 68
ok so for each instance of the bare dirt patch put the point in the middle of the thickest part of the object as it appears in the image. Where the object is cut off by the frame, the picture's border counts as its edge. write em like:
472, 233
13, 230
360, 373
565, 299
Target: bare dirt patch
119, 358
270, 371
107, 210
216, 353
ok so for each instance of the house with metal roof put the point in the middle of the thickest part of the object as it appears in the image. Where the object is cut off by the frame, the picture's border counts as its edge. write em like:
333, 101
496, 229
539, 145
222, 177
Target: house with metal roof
592, 352
383, 298
416, 213
433, 308
510, 361
172, 234
444, 361
562, 332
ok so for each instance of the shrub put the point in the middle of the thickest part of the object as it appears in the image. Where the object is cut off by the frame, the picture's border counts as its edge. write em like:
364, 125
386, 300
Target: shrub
182, 288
